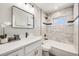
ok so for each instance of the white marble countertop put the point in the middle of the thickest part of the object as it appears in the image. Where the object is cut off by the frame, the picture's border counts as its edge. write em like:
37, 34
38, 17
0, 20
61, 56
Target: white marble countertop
8, 47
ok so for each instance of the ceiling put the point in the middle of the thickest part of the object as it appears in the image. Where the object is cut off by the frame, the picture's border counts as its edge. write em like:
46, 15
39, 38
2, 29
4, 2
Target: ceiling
52, 7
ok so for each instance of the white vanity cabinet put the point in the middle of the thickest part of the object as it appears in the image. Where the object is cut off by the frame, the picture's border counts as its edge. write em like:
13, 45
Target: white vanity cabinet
30, 46
32, 49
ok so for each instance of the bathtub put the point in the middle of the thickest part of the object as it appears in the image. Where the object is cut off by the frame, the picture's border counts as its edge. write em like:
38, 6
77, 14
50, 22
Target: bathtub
61, 49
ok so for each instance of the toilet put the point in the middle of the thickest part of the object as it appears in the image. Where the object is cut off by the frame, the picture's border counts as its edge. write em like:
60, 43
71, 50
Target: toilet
46, 49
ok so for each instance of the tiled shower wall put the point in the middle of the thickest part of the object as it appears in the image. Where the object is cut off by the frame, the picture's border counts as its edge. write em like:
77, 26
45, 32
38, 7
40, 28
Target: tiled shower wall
76, 26
62, 35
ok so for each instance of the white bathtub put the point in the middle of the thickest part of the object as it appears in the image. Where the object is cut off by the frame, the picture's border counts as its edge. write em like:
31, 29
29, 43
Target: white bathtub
61, 49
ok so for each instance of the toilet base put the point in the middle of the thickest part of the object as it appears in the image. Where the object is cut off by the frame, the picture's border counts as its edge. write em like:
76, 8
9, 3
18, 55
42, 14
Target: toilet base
45, 53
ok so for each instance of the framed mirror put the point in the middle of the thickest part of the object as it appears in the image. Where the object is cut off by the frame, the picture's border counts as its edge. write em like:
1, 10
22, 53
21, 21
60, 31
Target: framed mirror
22, 18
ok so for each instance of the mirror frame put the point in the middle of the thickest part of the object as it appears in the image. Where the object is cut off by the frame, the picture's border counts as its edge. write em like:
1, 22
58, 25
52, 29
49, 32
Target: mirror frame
13, 25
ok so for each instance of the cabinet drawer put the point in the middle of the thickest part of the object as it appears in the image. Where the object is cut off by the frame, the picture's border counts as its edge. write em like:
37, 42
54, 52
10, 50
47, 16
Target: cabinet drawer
32, 46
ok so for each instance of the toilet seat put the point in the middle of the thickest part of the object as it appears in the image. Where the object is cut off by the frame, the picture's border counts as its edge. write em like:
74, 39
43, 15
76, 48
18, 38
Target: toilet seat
46, 47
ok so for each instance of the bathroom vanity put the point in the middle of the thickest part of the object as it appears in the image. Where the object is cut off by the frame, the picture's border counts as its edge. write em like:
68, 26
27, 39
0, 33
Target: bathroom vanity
30, 46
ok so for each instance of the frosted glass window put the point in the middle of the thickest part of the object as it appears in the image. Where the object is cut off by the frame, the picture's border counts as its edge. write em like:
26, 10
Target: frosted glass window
60, 21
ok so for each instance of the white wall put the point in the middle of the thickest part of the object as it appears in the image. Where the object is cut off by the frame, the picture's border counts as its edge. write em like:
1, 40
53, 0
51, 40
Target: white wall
61, 35
76, 28
5, 15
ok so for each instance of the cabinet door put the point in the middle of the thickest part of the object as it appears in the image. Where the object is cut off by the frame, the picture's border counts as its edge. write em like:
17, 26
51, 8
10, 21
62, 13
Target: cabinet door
21, 52
39, 51
32, 53
17, 53
32, 47
13, 54
36, 52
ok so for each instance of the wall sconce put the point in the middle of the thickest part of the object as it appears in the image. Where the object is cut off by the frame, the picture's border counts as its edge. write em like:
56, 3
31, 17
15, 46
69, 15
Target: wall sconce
29, 7
29, 4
